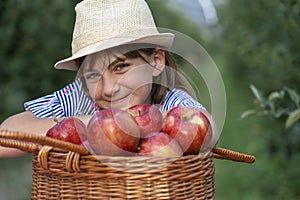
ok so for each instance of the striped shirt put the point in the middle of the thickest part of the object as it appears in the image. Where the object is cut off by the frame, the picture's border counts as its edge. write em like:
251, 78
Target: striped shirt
71, 101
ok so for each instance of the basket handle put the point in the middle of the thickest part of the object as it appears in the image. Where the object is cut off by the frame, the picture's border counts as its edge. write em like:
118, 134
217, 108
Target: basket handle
32, 143
227, 154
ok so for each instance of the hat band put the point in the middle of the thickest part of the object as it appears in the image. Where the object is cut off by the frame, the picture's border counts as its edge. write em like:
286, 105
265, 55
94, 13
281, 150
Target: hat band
90, 38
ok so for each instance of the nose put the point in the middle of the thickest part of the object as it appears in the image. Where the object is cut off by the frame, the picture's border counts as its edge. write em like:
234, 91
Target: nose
109, 85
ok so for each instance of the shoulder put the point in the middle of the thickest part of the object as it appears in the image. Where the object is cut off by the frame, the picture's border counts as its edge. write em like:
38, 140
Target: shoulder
179, 97
68, 101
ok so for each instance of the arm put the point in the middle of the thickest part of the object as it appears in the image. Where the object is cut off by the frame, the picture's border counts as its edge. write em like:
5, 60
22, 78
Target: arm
69, 101
26, 122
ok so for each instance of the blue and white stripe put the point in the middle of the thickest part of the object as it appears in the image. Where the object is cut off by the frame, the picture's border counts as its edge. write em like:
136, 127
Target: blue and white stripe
178, 97
71, 101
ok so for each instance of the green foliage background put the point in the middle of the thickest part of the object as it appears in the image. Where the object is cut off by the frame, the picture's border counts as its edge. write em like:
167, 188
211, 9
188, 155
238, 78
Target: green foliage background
255, 42
261, 47
262, 41
34, 35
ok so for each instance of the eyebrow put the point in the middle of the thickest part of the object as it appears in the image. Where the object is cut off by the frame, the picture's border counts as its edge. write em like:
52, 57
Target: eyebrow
118, 59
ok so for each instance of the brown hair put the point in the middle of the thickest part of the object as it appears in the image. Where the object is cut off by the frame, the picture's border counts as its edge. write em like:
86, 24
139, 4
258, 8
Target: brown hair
167, 80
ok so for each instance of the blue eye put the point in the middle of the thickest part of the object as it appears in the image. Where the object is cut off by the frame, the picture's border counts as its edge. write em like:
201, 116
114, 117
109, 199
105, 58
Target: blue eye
92, 76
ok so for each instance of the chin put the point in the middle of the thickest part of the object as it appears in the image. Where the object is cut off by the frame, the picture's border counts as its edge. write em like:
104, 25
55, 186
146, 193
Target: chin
121, 105
118, 106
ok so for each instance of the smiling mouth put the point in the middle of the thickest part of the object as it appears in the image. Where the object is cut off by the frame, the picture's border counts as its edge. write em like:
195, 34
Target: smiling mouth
114, 101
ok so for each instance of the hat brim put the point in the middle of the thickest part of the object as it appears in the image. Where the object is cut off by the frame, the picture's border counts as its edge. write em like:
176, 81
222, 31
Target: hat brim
163, 40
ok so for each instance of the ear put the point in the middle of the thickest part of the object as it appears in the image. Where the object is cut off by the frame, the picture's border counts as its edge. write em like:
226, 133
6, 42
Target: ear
159, 61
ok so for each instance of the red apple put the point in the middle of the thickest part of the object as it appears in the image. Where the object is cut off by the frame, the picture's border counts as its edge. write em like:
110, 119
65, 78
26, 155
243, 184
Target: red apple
160, 144
148, 117
113, 132
70, 129
189, 126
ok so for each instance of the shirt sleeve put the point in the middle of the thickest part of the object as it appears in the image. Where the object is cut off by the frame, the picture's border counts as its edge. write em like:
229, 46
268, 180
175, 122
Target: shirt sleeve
69, 101
177, 97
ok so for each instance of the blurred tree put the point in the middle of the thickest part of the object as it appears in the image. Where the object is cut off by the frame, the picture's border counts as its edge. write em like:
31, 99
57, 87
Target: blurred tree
263, 42
174, 19
33, 37
261, 46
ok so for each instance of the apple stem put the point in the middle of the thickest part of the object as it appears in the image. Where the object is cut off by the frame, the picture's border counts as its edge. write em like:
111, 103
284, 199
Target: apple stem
54, 118
140, 112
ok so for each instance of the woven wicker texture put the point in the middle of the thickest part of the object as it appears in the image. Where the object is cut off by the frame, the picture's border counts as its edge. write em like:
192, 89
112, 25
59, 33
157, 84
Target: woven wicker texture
66, 171
85, 177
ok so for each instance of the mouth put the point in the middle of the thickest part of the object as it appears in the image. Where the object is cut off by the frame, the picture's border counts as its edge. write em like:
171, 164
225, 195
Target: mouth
114, 103
118, 100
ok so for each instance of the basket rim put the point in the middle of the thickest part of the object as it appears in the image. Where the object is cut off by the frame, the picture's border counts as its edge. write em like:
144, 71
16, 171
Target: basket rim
34, 143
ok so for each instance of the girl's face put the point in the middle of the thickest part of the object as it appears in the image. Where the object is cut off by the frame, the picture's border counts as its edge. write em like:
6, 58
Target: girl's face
116, 81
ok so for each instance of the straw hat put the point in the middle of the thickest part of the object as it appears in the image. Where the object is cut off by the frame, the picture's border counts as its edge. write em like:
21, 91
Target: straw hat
103, 24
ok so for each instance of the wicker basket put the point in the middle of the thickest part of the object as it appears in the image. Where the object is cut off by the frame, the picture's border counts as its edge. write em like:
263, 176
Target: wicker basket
66, 171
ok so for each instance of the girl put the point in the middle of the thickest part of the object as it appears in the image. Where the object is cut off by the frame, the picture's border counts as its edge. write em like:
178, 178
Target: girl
122, 60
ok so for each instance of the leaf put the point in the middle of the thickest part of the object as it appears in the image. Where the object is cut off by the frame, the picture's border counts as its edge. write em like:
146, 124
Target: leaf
293, 95
275, 95
280, 112
257, 93
292, 118
248, 113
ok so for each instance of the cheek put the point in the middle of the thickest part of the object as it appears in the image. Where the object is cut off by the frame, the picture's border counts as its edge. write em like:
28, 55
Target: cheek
93, 90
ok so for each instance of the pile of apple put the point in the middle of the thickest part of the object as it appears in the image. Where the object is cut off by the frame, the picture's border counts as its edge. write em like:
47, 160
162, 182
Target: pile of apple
139, 130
